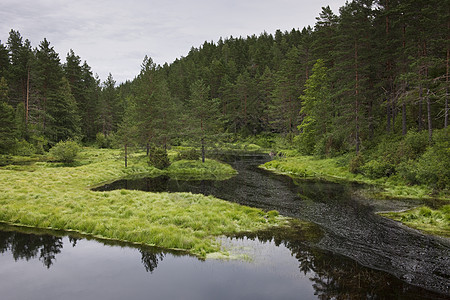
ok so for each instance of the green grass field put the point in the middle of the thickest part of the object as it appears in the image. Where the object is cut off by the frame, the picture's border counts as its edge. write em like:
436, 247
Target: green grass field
55, 196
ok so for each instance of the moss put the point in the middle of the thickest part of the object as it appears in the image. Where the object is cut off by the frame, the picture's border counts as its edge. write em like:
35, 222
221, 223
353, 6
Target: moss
60, 198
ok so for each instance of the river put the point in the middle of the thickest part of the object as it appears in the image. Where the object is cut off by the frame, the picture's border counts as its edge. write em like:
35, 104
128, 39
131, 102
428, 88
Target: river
344, 251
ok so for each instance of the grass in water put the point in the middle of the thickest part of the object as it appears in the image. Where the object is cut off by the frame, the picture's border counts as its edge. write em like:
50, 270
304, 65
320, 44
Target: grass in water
45, 196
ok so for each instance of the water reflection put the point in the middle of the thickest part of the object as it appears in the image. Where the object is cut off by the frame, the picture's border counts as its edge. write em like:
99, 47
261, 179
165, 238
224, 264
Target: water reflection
331, 276
22, 246
45, 247
335, 277
350, 226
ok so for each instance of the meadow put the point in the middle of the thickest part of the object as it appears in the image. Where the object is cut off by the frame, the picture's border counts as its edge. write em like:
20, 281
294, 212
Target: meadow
58, 196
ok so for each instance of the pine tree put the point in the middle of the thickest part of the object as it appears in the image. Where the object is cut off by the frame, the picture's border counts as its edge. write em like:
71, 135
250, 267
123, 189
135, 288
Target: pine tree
316, 108
63, 117
46, 82
109, 110
204, 124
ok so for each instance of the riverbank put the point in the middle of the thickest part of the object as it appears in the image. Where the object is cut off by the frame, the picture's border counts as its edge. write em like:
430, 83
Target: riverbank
433, 221
56, 196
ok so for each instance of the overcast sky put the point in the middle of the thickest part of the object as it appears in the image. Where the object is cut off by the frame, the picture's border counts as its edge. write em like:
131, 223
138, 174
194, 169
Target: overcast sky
113, 36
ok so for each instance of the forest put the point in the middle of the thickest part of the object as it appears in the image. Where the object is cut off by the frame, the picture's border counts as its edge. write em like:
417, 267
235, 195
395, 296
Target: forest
370, 84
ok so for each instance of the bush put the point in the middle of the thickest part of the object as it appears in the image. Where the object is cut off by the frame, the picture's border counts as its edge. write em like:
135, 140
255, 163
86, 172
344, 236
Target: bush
378, 168
190, 154
433, 167
65, 151
415, 144
104, 141
158, 158
356, 163
23, 148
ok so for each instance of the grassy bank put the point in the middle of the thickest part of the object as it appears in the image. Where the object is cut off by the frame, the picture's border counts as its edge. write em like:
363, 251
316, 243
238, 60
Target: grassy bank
435, 221
422, 218
334, 170
51, 195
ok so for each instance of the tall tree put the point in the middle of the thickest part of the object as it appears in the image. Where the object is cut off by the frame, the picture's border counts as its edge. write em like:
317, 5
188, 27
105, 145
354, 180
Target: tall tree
109, 110
204, 123
316, 108
47, 74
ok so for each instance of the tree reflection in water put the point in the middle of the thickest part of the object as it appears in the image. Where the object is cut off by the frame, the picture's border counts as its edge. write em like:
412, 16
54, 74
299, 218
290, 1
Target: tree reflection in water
333, 276
45, 247
30, 246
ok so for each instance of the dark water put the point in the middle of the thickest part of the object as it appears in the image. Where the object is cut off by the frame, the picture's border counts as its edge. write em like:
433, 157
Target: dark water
49, 265
350, 252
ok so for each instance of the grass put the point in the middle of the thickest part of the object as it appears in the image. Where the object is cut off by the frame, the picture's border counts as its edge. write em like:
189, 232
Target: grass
54, 196
331, 169
425, 219
210, 169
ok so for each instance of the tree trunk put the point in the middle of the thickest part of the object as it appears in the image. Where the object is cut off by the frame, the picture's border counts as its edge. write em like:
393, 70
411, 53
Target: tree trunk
446, 91
356, 99
28, 97
126, 155
394, 113
404, 118
203, 149
420, 106
430, 127
388, 116
202, 141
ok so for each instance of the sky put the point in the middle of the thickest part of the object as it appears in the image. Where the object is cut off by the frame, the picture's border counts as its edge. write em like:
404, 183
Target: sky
113, 36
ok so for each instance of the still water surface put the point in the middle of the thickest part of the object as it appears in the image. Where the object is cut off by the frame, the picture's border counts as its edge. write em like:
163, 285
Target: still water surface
349, 253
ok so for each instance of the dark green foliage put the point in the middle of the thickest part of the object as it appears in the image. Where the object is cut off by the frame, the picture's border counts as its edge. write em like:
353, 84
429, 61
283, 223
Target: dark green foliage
7, 128
373, 79
190, 154
378, 168
102, 141
356, 163
65, 151
433, 167
158, 158
24, 148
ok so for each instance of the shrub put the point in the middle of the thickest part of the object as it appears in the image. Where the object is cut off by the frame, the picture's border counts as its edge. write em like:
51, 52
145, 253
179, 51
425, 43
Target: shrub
433, 167
190, 154
356, 163
65, 151
378, 168
158, 158
415, 144
23, 148
104, 141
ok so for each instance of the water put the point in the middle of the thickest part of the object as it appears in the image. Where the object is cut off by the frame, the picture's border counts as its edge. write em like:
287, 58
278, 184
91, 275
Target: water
49, 265
349, 253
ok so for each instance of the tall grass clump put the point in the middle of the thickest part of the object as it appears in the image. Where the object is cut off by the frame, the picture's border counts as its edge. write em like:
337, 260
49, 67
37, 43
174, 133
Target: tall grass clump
435, 221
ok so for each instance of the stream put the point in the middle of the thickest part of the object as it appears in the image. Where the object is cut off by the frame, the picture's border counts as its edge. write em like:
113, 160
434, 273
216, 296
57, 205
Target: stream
346, 251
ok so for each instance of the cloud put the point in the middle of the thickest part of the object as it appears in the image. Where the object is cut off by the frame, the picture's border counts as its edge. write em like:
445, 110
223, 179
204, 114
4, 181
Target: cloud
114, 36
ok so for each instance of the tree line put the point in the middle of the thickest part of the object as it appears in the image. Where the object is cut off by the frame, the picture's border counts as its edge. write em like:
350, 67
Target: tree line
378, 68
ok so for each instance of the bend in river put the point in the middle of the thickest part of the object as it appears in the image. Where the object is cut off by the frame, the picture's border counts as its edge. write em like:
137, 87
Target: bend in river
351, 227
